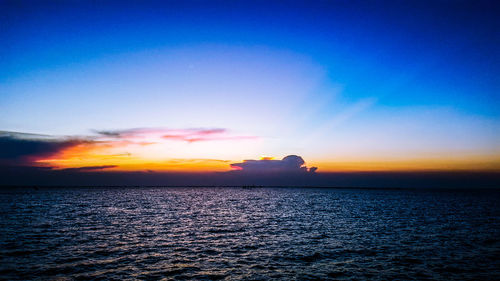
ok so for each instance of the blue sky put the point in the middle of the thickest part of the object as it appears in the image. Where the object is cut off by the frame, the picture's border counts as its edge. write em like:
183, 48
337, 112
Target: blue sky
331, 81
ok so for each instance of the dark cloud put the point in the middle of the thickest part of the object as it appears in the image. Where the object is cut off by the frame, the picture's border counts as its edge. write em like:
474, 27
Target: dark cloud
90, 168
111, 134
128, 133
43, 176
291, 163
20, 149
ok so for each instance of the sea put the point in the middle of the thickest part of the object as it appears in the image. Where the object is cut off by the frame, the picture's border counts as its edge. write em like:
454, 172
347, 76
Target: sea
253, 233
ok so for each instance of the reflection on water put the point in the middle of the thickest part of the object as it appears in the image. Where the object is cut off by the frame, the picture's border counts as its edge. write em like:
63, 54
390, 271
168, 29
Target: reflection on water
249, 234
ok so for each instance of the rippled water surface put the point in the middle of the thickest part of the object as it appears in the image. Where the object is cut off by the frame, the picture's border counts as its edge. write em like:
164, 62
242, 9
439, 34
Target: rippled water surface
248, 234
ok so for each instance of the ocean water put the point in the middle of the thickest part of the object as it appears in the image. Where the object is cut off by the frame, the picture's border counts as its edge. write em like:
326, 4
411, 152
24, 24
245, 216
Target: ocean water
248, 234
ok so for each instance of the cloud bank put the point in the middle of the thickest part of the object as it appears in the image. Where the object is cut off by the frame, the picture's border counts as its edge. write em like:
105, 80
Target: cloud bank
44, 176
290, 163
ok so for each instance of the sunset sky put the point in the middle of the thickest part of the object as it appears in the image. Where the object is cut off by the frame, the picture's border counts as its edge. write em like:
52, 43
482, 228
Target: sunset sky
200, 85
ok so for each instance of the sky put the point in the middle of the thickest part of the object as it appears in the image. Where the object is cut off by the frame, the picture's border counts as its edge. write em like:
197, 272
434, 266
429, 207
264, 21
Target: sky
222, 86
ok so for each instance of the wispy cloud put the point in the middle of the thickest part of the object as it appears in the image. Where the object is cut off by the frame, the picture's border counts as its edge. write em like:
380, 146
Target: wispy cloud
91, 168
187, 135
130, 133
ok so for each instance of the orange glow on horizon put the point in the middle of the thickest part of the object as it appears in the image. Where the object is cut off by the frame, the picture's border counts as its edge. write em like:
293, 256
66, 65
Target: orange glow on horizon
95, 156
411, 165
86, 155
266, 158
125, 155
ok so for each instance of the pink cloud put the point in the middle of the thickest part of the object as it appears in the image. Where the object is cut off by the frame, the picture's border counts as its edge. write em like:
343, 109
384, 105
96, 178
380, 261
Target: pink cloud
197, 135
188, 135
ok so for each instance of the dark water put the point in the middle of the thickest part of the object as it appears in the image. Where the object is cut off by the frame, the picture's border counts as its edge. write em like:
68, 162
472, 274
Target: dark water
248, 234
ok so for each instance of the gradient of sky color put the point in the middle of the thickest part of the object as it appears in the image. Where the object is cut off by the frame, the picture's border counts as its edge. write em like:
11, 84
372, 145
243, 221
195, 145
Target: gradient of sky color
386, 85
